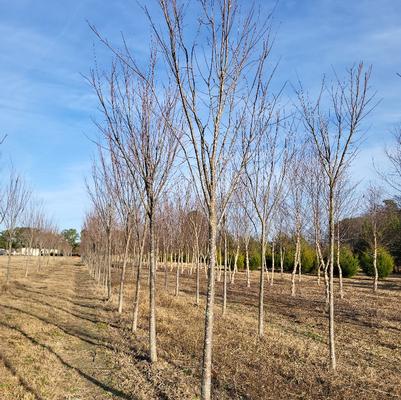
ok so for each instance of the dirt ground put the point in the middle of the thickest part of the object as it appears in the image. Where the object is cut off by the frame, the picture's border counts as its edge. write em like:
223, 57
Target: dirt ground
60, 339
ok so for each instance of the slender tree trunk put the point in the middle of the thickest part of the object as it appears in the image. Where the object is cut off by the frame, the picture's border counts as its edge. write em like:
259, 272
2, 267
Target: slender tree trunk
109, 262
340, 271
273, 259
299, 261
197, 275
248, 274
177, 275
105, 272
152, 290
157, 256
225, 276
296, 264
281, 261
219, 261
209, 313
333, 363
376, 277
9, 262
138, 281
229, 270
165, 272
261, 285
122, 278
326, 283
235, 264
319, 265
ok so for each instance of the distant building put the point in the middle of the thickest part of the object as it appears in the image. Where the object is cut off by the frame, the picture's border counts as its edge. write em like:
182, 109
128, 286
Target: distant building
29, 251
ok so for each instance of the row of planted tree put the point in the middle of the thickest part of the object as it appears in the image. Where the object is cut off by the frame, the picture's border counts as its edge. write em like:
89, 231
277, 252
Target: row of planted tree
187, 244
199, 157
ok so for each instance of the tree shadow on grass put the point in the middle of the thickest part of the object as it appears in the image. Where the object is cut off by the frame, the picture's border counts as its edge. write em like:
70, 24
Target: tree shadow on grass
109, 389
85, 337
22, 381
20, 286
89, 318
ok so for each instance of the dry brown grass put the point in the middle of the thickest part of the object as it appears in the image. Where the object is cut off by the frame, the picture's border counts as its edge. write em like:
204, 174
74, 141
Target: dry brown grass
59, 339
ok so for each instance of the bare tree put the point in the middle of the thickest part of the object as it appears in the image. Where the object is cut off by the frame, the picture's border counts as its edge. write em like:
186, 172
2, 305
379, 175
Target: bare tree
296, 208
315, 190
141, 233
217, 79
334, 134
101, 194
127, 205
141, 125
244, 215
265, 174
16, 197
345, 204
34, 214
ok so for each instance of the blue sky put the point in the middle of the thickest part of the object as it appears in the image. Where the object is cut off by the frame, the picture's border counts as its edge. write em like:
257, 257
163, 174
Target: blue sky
46, 107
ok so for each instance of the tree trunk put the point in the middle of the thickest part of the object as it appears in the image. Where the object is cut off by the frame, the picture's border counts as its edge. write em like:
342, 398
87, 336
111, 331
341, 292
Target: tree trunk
326, 283
177, 275
152, 290
197, 277
261, 285
219, 261
299, 261
109, 264
319, 265
138, 281
273, 249
122, 278
376, 277
165, 272
248, 274
229, 270
296, 264
192, 261
333, 363
235, 264
225, 276
9, 262
340, 271
209, 313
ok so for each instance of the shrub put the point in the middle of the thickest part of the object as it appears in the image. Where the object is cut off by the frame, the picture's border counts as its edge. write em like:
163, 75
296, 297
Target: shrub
254, 261
349, 262
385, 263
307, 258
288, 263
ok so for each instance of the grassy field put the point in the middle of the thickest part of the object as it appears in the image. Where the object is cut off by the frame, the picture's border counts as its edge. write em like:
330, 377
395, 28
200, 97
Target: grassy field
60, 339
